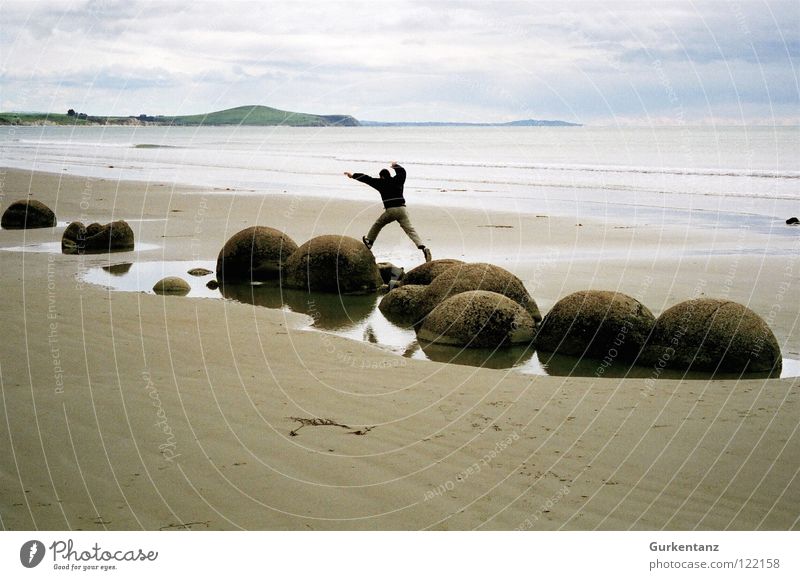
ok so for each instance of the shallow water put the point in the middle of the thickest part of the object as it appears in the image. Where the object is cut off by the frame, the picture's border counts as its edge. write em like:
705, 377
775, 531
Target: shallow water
358, 318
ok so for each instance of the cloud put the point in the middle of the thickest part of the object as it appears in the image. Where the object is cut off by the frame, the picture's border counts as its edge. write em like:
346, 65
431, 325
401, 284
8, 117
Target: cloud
586, 61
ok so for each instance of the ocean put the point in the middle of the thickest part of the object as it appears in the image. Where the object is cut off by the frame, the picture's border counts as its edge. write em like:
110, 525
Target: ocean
708, 176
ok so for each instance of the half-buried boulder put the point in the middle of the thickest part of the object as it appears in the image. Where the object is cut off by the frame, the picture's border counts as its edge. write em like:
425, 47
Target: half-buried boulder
477, 276
708, 334
28, 214
596, 324
332, 264
254, 254
172, 285
478, 319
116, 236
425, 273
402, 304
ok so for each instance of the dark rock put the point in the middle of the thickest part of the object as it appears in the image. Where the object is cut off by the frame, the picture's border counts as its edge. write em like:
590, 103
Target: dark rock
792, 221
714, 335
425, 273
172, 285
199, 272
118, 269
477, 276
390, 274
212, 284
596, 324
332, 264
402, 303
28, 214
116, 236
254, 254
478, 319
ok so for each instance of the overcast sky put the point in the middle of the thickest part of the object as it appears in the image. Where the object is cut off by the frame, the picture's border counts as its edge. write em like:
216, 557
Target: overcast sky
587, 62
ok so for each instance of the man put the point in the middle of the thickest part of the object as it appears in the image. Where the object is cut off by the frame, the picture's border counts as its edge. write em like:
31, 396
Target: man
394, 204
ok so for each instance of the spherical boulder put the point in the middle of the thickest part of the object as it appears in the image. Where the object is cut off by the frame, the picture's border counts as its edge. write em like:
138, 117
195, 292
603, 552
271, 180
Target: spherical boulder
425, 273
332, 264
708, 334
477, 276
254, 254
478, 319
172, 285
116, 236
28, 214
402, 303
596, 324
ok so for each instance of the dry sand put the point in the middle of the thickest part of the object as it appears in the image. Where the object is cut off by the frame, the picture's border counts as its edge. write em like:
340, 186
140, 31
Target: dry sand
134, 411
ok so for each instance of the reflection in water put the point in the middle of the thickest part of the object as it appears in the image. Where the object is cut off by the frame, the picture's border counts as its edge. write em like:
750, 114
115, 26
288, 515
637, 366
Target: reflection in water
358, 318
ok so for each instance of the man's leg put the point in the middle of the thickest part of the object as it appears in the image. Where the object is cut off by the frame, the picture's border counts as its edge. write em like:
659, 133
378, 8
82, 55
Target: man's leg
405, 223
384, 219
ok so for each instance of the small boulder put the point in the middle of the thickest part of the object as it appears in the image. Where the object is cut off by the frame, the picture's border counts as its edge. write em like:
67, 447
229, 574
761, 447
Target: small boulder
199, 272
596, 324
792, 221
478, 319
254, 254
402, 303
708, 334
28, 214
116, 236
425, 273
390, 274
332, 264
477, 276
172, 285
212, 284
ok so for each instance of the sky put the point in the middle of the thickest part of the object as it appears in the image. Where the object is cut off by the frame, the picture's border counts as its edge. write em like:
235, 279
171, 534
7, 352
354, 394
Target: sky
601, 63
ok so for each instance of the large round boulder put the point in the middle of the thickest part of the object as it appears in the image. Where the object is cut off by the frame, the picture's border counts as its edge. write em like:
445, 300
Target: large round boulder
708, 334
478, 319
116, 236
254, 254
596, 324
425, 273
332, 264
28, 214
477, 276
172, 285
402, 303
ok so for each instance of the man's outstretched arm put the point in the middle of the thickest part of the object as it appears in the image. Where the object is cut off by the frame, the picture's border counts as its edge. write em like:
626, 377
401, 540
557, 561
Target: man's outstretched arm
399, 171
363, 178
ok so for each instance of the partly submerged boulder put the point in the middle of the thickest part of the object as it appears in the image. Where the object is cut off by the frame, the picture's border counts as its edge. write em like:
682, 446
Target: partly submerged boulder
477, 276
402, 303
478, 319
708, 334
172, 285
596, 324
254, 254
28, 214
425, 273
199, 272
116, 236
332, 264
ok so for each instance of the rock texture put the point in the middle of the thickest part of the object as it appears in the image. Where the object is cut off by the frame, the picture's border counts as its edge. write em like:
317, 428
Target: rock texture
477, 276
708, 334
596, 324
172, 285
425, 273
254, 254
478, 319
402, 304
332, 264
116, 236
28, 214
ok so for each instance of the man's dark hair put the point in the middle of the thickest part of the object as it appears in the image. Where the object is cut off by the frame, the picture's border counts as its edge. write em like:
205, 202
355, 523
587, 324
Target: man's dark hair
385, 174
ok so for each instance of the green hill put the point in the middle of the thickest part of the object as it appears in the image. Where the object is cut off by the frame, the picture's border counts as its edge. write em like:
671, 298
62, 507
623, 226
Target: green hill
260, 115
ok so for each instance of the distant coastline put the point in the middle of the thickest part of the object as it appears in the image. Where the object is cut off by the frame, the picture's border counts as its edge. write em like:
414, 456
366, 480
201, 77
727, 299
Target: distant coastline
249, 115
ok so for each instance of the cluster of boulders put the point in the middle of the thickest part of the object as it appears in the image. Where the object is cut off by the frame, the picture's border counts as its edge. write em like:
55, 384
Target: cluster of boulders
28, 214
116, 236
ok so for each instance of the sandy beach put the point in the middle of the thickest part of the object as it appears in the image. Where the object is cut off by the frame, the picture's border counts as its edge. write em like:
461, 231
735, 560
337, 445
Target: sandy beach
128, 411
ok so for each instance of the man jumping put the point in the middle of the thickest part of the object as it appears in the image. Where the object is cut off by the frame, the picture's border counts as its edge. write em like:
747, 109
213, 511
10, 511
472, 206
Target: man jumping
394, 204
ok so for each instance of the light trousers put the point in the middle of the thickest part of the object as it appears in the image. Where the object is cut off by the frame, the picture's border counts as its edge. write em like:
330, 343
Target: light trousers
395, 214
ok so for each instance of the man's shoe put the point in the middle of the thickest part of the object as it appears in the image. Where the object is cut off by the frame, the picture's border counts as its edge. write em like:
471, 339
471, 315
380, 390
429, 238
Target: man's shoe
427, 253
367, 242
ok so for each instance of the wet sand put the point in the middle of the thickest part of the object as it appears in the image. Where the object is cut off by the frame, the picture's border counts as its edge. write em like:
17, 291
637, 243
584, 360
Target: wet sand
127, 410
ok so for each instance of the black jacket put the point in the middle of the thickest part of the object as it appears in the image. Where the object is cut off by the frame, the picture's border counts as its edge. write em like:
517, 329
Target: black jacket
391, 189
